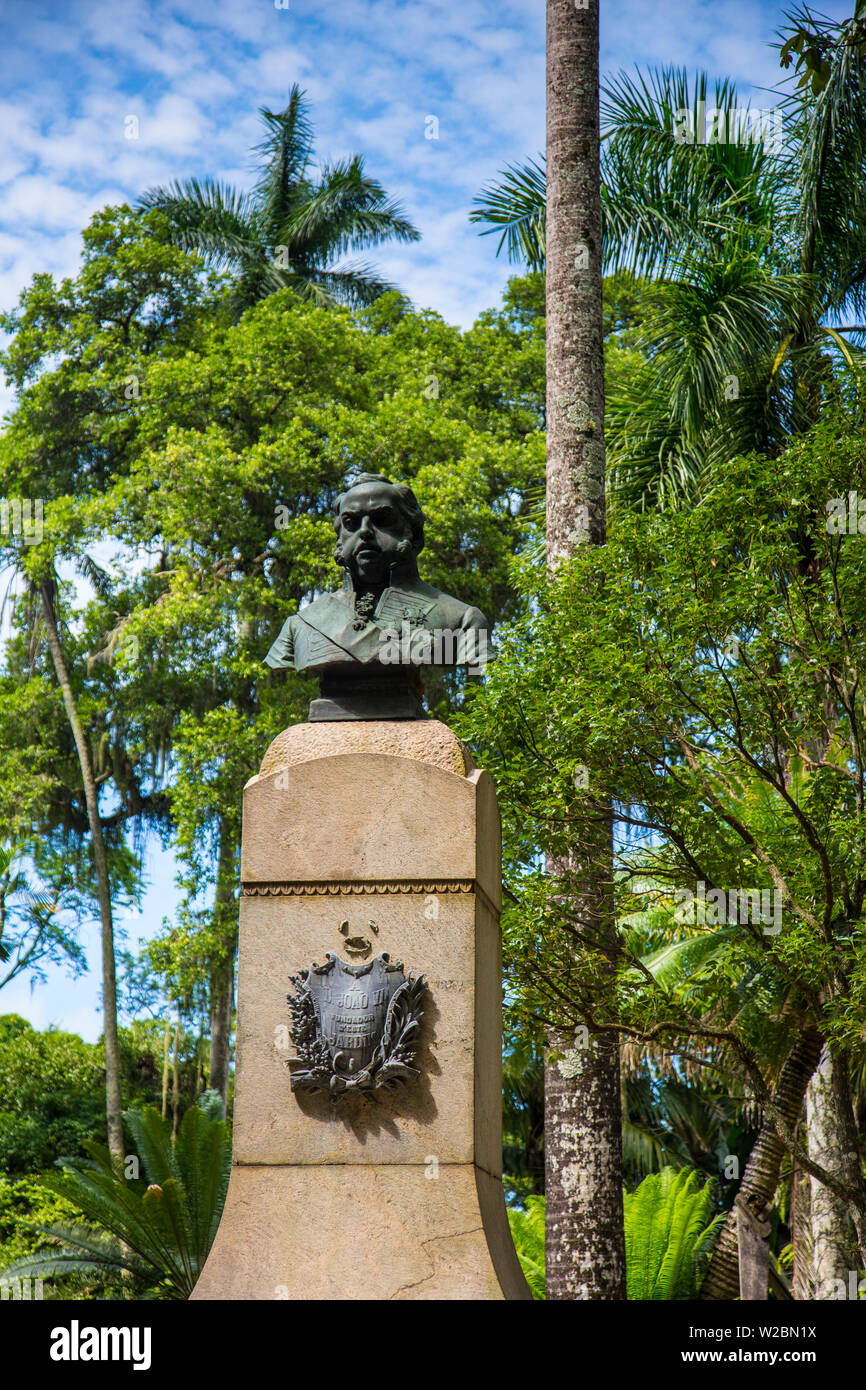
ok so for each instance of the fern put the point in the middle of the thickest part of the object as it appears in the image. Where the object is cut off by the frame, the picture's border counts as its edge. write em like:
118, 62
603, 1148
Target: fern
669, 1232
527, 1232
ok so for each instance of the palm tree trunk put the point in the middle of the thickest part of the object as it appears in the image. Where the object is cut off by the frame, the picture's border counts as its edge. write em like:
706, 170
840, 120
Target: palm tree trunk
575, 331
583, 1117
801, 1233
833, 1249
223, 973
113, 1096
761, 1177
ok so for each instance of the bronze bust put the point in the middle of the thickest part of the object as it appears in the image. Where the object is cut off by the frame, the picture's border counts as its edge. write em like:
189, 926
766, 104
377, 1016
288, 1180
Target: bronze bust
367, 640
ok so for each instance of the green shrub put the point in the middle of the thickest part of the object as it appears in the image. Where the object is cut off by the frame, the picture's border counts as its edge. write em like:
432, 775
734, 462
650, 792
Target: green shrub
52, 1095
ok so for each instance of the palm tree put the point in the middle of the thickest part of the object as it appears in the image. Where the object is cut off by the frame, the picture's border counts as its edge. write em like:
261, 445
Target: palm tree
582, 1104
755, 248
292, 229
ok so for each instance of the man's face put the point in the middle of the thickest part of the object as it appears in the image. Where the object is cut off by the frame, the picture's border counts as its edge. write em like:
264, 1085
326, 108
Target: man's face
371, 531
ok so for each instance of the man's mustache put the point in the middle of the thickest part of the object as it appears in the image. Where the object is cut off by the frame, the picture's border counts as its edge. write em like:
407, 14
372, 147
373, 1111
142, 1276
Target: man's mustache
352, 547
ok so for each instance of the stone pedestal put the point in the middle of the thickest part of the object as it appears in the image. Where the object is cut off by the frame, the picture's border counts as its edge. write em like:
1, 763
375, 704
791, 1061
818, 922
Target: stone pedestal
389, 1194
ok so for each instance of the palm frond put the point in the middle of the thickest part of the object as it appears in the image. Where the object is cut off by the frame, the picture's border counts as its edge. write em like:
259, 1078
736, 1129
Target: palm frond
99, 578
348, 210
668, 177
207, 217
354, 284
684, 957
826, 161
283, 155
289, 231
161, 1228
515, 206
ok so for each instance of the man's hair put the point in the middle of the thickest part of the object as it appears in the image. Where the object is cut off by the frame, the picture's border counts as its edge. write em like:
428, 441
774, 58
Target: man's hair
404, 499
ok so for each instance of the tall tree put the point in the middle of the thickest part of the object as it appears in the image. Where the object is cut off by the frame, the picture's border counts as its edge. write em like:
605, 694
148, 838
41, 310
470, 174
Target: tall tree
292, 229
741, 346
113, 1097
583, 1124
731, 804
75, 355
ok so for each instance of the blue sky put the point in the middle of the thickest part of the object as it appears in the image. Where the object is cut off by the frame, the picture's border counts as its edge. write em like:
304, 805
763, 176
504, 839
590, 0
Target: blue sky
194, 75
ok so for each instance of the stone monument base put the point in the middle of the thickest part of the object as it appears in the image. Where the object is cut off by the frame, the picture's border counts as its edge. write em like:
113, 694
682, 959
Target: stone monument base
369, 839
359, 1231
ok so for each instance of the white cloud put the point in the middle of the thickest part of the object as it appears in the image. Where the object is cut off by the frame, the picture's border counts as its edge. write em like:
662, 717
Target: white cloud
37, 200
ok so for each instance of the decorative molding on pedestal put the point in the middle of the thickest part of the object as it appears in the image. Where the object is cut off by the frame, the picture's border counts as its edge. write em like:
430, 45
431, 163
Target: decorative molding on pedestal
348, 887
336, 887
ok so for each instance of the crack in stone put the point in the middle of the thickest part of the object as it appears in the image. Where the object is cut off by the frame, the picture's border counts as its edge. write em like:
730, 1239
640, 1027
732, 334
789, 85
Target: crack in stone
432, 1240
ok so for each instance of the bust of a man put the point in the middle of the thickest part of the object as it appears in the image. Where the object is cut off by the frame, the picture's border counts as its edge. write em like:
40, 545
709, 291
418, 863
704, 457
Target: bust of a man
385, 622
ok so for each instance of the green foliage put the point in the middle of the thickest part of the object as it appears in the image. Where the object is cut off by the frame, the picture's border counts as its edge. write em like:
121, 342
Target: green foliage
242, 542
210, 453
159, 1227
211, 1103
141, 1057
679, 669
51, 1087
753, 237
135, 297
25, 1203
515, 207
51, 1084
812, 44
694, 1120
670, 1229
523, 1118
527, 1232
